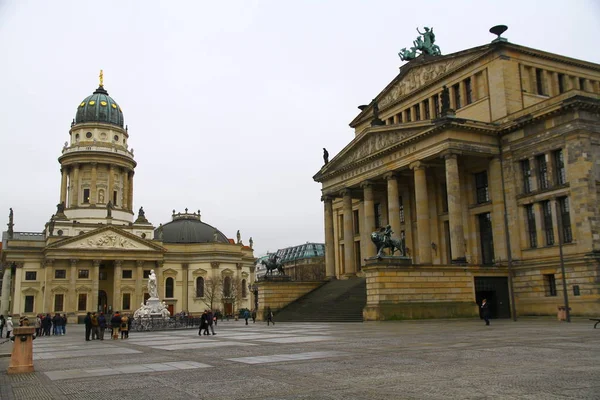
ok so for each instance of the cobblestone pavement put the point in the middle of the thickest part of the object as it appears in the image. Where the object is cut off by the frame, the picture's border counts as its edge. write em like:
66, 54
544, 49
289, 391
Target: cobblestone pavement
441, 359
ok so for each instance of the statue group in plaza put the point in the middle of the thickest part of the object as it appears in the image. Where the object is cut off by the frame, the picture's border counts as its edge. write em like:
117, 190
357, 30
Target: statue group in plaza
383, 240
273, 264
153, 308
424, 43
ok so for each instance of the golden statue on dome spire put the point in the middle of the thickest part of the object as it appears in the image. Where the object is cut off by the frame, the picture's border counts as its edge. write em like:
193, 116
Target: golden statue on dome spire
101, 78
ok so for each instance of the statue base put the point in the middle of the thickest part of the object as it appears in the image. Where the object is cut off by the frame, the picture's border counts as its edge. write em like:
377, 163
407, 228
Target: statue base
153, 308
275, 278
392, 261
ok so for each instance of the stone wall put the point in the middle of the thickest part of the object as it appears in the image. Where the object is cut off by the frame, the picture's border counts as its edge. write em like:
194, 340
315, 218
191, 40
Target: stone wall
279, 294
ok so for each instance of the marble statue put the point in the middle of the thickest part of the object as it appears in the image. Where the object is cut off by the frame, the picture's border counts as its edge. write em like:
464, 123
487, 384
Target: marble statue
152, 288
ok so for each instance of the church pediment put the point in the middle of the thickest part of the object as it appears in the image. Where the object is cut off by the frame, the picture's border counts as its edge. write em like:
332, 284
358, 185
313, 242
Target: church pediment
170, 272
106, 238
199, 272
60, 289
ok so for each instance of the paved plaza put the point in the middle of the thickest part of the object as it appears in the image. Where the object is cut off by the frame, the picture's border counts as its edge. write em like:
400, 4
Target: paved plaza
441, 359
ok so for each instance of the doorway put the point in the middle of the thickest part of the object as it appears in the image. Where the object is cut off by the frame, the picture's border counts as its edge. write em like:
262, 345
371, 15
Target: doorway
102, 301
170, 308
495, 291
228, 309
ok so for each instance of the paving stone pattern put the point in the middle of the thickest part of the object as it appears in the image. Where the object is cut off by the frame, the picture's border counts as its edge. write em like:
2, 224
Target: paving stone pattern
449, 359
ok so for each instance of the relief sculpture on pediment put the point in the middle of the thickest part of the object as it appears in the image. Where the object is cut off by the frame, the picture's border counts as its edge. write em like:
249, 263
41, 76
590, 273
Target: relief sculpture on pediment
108, 240
376, 142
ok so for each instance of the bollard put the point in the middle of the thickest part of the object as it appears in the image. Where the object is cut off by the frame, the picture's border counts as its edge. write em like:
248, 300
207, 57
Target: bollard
21, 359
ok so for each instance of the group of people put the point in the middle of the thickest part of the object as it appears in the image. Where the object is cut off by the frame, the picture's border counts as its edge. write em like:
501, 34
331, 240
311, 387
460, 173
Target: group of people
6, 323
96, 324
207, 321
46, 325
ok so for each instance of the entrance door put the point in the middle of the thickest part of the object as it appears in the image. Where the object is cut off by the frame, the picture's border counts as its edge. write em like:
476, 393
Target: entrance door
495, 291
228, 309
102, 301
170, 308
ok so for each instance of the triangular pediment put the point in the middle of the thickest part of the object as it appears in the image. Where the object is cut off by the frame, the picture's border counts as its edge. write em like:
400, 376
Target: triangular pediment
106, 238
418, 74
60, 288
199, 272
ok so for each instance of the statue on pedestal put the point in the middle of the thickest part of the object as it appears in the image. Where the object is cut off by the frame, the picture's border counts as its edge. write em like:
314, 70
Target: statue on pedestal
384, 240
152, 288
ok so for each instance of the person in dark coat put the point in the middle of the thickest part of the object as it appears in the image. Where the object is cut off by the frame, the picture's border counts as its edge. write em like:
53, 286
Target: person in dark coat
203, 324
270, 316
485, 312
209, 319
253, 316
115, 322
88, 326
101, 325
246, 316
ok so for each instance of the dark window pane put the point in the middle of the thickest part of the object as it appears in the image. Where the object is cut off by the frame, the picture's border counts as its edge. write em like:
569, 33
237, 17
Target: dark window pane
126, 301
199, 287
469, 90
28, 304
481, 185
550, 285
84, 274
82, 302
127, 274
456, 90
542, 168
169, 288
559, 162
531, 225
60, 274
486, 238
526, 172
58, 302
548, 229
30, 275
565, 216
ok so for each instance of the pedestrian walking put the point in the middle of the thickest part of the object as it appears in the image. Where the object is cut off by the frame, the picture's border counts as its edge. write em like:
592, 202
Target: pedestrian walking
87, 321
2, 323
485, 312
254, 316
101, 325
95, 327
246, 316
210, 321
124, 327
270, 316
115, 322
203, 323
9, 326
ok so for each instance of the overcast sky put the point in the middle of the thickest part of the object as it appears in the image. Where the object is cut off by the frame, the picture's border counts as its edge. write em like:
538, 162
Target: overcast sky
229, 103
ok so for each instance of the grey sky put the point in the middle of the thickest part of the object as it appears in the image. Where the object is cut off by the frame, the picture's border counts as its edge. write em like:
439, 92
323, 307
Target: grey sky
228, 103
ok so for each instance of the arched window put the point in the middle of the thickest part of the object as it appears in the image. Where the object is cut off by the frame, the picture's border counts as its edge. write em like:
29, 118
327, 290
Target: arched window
200, 287
244, 288
169, 285
227, 286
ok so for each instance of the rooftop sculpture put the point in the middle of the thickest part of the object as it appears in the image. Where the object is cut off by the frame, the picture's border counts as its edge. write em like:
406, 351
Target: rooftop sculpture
424, 43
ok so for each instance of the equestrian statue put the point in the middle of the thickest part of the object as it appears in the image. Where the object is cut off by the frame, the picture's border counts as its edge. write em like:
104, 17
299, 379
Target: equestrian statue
273, 264
383, 240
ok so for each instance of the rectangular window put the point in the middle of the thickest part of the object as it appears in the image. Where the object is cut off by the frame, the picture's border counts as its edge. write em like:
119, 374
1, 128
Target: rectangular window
436, 105
147, 271
58, 302
456, 91
539, 80
357, 256
408, 116
115, 194
377, 215
82, 302
399, 115
561, 83
526, 173
86, 195
481, 185
581, 83
127, 274
486, 237
542, 170
28, 304
356, 222
565, 219
126, 301
444, 198
417, 113
340, 234
426, 107
84, 274
548, 229
529, 212
401, 204
60, 274
559, 163
550, 285
469, 90
30, 275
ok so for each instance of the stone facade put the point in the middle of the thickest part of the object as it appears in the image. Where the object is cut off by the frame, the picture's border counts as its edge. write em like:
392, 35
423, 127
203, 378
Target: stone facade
487, 185
93, 256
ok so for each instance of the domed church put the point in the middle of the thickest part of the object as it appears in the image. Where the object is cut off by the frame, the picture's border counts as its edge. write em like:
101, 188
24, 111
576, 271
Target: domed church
95, 254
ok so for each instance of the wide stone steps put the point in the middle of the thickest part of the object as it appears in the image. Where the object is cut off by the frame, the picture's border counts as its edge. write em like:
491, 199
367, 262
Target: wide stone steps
335, 301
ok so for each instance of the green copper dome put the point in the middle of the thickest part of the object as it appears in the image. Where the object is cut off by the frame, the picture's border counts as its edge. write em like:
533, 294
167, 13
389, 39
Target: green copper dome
99, 107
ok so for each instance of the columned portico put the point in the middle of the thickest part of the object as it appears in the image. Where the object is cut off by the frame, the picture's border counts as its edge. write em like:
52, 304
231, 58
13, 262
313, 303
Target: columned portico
422, 208
369, 212
348, 234
455, 209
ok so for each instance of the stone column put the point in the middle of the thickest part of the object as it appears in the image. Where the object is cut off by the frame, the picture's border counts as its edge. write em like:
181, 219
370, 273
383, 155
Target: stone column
111, 184
413, 114
185, 289
63, 185
463, 93
130, 196
75, 186
117, 303
95, 284
6, 289
393, 203
474, 91
139, 275
422, 208
73, 305
369, 219
47, 285
457, 235
329, 238
125, 189
349, 265
93, 189
422, 113
408, 232
432, 111
497, 197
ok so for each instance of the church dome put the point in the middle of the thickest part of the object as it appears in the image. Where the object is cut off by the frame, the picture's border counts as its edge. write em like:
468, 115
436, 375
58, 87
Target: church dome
99, 107
188, 228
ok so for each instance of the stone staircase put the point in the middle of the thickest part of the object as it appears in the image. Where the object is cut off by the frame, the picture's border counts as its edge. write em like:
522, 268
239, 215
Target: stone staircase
335, 301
